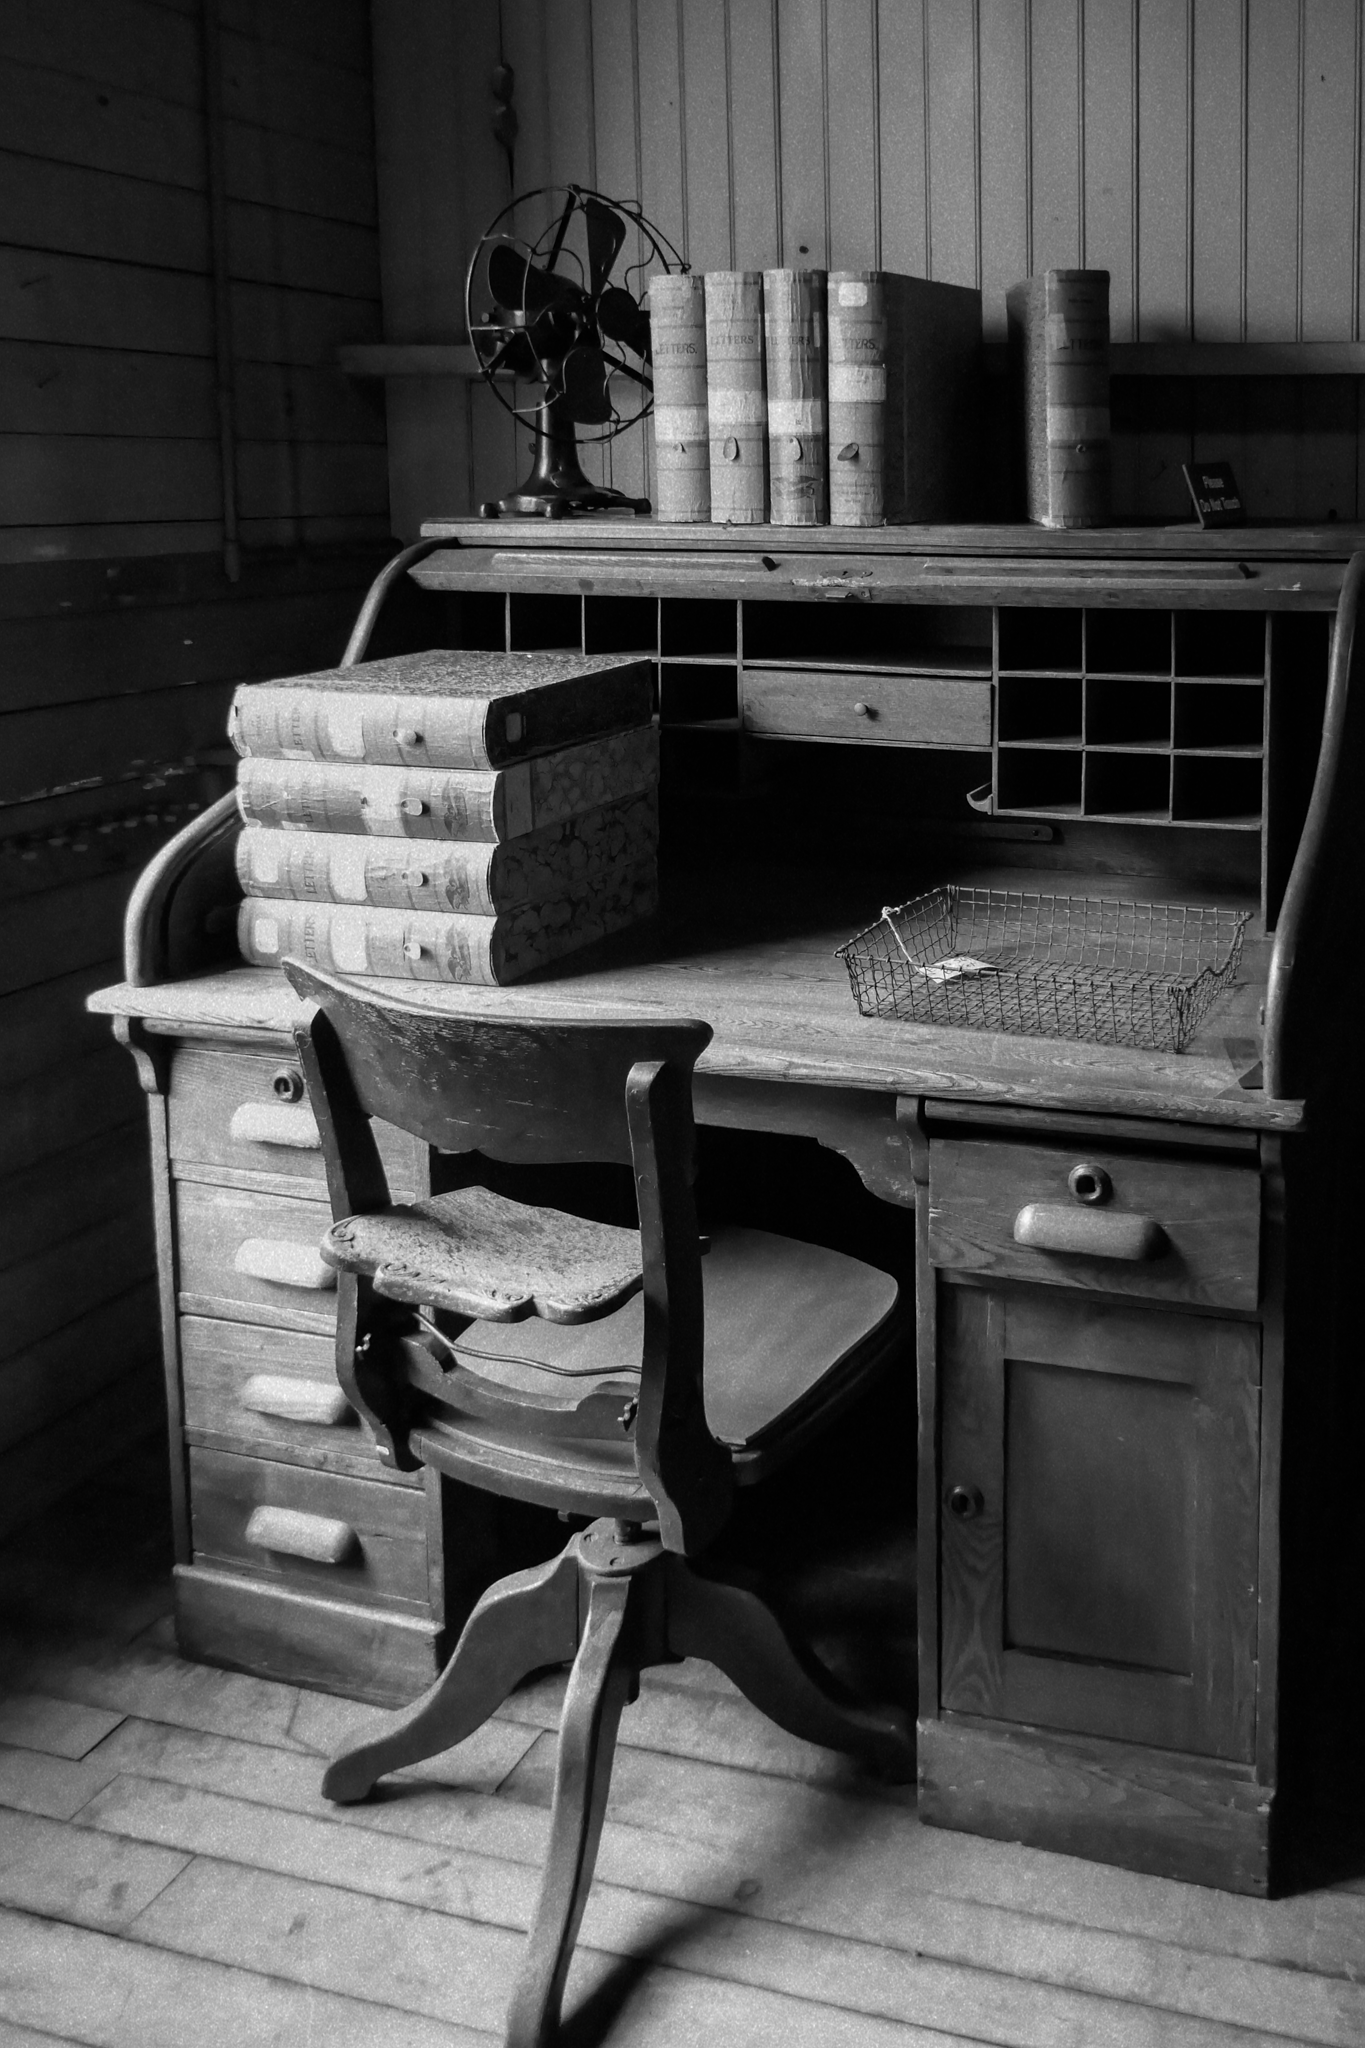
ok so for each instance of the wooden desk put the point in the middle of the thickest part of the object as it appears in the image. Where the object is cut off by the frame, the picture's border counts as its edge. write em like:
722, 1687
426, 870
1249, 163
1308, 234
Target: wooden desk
1120, 1466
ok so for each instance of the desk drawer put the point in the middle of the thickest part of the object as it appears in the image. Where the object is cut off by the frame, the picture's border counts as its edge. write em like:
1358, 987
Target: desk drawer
249, 1111
250, 1387
1169, 1229
251, 1257
890, 710
353, 1539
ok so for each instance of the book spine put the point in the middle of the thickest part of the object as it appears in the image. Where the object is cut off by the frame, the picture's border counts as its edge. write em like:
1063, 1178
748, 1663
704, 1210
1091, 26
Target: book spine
278, 723
794, 326
735, 398
412, 945
857, 397
418, 945
1076, 345
291, 722
482, 880
432, 803
386, 803
682, 455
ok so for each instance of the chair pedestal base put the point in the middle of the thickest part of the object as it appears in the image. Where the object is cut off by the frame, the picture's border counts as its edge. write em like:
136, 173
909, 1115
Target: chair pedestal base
614, 1602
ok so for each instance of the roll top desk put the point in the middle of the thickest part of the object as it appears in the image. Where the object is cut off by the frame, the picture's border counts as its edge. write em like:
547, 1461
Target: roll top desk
1139, 1528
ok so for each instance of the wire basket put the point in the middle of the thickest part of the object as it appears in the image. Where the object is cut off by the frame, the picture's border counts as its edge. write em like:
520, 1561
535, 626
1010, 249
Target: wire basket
1137, 974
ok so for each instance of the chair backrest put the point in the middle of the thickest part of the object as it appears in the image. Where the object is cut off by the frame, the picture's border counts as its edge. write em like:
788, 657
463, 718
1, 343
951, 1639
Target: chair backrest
543, 1089
553, 1091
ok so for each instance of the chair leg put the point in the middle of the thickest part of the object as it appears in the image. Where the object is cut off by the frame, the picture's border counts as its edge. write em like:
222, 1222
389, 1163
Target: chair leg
524, 1621
604, 1678
733, 1629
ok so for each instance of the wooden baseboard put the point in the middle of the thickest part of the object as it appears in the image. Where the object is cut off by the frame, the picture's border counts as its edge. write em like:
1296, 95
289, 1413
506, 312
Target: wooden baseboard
299, 1639
1143, 1809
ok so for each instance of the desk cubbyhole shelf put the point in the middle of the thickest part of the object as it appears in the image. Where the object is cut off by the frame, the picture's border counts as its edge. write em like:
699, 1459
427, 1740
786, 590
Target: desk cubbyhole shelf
1036, 642
621, 625
544, 621
1128, 643
1132, 717
1132, 787
1038, 710
1151, 716
483, 620
1040, 780
699, 694
1128, 712
698, 629
906, 638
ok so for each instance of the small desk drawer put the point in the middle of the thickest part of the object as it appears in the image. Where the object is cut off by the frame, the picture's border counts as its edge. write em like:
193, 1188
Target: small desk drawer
252, 1257
890, 710
251, 1387
249, 1111
355, 1539
1170, 1229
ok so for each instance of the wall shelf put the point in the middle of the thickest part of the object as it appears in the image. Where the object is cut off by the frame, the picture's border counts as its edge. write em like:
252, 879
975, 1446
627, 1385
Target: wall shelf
1126, 359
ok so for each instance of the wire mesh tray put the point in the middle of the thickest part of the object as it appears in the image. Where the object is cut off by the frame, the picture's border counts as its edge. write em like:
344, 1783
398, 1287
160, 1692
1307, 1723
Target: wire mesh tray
1136, 974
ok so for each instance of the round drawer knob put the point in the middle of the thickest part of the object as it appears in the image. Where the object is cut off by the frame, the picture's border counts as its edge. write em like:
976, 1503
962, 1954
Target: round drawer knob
863, 711
408, 736
964, 1503
287, 1085
1089, 1183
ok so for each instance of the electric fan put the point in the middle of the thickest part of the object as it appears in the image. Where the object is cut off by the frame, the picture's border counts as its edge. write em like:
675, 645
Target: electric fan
544, 310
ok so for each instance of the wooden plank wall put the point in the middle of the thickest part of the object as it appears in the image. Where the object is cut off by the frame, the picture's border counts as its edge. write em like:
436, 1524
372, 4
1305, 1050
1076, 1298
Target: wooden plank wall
1206, 152
120, 632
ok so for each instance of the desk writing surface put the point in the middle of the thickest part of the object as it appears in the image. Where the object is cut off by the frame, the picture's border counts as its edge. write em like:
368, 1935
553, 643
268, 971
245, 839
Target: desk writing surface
762, 972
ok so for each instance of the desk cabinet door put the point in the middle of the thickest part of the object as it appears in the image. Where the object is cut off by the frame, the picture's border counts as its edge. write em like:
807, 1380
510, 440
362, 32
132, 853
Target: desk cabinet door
1100, 1471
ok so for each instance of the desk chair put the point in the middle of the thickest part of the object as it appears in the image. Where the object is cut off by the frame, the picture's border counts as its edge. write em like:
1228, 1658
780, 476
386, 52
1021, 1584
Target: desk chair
636, 1378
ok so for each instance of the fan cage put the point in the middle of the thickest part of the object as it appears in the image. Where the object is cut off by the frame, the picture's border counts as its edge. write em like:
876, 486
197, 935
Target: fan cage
1087, 967
657, 250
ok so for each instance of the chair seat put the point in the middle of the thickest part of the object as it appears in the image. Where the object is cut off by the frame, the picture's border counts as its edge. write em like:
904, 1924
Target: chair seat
476, 1253
786, 1325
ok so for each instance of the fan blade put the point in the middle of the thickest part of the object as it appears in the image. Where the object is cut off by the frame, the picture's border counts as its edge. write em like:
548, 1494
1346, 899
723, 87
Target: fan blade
520, 287
621, 319
585, 372
606, 232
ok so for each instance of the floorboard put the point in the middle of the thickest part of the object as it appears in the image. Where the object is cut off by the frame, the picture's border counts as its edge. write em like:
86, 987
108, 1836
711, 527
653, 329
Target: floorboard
165, 1850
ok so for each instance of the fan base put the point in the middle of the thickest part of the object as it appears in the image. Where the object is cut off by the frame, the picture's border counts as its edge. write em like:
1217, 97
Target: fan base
561, 501
556, 486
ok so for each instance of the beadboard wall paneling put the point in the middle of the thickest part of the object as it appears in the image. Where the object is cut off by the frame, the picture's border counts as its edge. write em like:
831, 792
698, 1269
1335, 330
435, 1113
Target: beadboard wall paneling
1206, 152
121, 631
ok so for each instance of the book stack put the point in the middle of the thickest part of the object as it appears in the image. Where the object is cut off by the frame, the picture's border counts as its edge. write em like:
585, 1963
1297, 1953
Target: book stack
806, 398
461, 817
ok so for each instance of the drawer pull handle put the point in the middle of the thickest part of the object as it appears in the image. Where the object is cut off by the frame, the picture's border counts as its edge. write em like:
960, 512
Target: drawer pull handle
288, 1265
1098, 1233
291, 1399
276, 1123
316, 1537
964, 1503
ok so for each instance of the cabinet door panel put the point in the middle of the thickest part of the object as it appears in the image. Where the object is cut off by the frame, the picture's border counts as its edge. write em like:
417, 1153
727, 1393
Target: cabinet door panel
1099, 1519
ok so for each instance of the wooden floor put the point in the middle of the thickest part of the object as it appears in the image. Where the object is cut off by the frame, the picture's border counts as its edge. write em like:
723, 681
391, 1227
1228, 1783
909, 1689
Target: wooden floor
171, 1878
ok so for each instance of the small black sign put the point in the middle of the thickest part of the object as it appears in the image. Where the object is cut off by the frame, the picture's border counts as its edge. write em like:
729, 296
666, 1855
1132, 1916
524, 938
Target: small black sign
1217, 499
